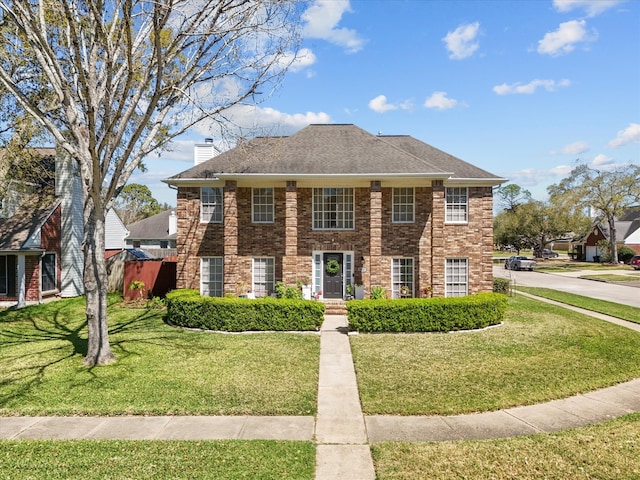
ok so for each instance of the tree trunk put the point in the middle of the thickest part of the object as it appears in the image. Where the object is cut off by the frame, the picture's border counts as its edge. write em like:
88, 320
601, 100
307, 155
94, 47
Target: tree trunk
613, 248
95, 284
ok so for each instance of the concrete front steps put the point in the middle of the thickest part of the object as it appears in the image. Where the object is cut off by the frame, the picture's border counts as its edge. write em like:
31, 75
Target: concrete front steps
335, 307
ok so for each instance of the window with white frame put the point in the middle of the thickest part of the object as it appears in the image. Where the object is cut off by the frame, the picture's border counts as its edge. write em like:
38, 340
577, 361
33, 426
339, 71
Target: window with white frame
402, 277
456, 277
4, 277
211, 276
456, 204
333, 208
263, 276
211, 204
403, 205
48, 272
262, 205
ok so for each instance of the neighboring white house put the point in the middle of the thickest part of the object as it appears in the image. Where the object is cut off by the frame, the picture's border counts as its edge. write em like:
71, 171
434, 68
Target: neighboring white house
114, 231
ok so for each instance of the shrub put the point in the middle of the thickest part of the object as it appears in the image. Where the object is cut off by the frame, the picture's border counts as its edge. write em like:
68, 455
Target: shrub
625, 253
501, 285
378, 293
293, 292
187, 308
427, 314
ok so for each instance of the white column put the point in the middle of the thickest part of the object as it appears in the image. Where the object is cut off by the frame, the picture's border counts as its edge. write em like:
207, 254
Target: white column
21, 286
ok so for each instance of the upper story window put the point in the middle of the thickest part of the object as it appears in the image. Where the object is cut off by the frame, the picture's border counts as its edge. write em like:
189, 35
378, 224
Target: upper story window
262, 205
333, 208
457, 206
211, 204
403, 205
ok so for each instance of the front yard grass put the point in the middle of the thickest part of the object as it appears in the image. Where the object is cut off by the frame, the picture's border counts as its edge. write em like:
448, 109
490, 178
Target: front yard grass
625, 312
160, 370
610, 277
607, 450
100, 459
541, 352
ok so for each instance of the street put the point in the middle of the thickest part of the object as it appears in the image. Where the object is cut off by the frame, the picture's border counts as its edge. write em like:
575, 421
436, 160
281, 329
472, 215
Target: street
568, 283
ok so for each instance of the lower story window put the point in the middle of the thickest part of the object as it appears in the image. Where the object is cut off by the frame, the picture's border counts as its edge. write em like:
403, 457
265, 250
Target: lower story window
3, 275
211, 275
48, 269
263, 276
402, 277
456, 277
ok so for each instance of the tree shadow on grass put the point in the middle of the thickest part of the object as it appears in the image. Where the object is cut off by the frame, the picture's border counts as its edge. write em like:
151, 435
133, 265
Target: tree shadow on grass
39, 338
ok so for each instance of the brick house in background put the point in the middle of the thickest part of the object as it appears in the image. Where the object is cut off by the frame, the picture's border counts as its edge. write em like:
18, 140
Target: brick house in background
333, 205
41, 230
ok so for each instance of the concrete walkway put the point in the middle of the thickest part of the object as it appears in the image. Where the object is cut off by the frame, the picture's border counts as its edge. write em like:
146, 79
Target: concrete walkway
341, 431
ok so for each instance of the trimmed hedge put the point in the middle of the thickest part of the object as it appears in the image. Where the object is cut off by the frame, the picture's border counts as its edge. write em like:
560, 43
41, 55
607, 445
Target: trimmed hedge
187, 308
427, 314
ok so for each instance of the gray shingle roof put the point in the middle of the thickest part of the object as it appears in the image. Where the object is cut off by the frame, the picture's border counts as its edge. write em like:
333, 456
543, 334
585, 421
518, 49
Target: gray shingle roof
16, 230
155, 227
334, 150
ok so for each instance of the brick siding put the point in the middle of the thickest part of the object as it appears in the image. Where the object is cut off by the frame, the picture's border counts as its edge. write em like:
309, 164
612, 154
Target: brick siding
291, 239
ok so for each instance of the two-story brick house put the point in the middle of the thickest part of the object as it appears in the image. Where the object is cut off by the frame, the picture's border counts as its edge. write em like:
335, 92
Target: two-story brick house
335, 206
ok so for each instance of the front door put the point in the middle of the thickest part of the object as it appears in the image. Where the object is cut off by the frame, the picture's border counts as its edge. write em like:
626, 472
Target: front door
332, 276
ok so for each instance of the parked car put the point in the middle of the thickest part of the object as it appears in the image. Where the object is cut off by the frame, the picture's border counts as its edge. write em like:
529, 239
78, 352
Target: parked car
635, 262
546, 253
518, 262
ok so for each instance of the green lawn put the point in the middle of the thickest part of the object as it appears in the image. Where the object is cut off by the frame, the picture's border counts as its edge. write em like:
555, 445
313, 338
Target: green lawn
160, 370
157, 460
610, 450
610, 277
625, 312
542, 352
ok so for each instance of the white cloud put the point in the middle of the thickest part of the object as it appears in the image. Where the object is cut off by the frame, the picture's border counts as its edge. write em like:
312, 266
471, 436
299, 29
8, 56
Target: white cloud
322, 19
564, 39
592, 7
631, 134
601, 160
440, 101
248, 121
380, 105
561, 170
302, 60
531, 87
575, 148
461, 42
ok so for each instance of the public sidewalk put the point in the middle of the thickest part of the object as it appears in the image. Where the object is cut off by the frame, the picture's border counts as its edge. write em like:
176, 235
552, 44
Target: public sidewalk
342, 433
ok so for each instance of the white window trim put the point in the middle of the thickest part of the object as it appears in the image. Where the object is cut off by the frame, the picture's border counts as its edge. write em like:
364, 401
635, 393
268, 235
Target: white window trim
213, 218
313, 210
446, 282
273, 215
446, 207
317, 275
395, 293
394, 205
253, 274
202, 282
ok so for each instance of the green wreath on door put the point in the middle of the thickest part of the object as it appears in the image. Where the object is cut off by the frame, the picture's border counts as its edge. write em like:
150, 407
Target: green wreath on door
332, 267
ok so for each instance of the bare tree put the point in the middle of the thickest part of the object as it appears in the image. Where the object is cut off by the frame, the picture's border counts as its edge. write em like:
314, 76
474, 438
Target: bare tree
114, 80
609, 192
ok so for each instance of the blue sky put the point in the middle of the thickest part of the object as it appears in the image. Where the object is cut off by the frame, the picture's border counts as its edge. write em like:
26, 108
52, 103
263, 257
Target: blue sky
522, 89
